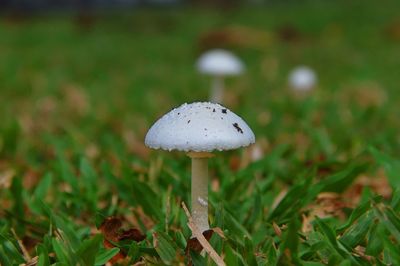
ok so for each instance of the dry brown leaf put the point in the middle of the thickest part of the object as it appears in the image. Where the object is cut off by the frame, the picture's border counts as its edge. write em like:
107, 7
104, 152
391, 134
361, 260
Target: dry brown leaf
378, 184
112, 232
360, 251
25, 252
194, 244
277, 230
31, 262
111, 229
306, 226
201, 239
219, 232
6, 178
132, 234
329, 204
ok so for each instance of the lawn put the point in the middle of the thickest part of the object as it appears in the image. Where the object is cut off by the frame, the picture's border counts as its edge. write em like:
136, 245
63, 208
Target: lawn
78, 186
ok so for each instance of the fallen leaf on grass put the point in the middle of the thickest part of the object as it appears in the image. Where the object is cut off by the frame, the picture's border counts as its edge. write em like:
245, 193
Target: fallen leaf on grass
218, 231
6, 178
327, 204
360, 251
194, 244
112, 232
277, 230
34, 260
330, 204
132, 234
379, 184
111, 229
201, 239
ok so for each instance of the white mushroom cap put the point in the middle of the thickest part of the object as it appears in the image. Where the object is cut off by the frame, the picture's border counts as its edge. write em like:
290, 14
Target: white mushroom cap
199, 127
219, 62
302, 78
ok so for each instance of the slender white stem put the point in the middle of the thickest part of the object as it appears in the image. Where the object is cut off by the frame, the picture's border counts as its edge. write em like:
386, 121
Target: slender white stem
217, 90
200, 193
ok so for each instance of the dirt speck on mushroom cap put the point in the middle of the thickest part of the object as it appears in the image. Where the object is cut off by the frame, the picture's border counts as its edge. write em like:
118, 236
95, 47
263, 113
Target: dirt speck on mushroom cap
173, 132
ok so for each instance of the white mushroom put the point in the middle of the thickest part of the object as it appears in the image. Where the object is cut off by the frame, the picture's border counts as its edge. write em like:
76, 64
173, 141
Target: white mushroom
198, 129
219, 63
302, 78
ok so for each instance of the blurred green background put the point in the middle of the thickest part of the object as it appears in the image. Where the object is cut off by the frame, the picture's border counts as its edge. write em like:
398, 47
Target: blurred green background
80, 88
130, 67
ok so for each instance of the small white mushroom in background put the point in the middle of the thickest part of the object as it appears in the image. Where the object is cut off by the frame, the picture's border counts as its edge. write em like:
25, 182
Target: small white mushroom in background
302, 78
199, 129
219, 63
256, 153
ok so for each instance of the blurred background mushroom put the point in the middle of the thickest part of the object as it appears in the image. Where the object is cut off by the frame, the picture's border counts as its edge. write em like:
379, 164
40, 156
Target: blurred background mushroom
219, 64
302, 78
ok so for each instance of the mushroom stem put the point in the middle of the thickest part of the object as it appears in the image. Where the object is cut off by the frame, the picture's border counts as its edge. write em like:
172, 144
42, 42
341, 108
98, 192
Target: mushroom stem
200, 189
217, 90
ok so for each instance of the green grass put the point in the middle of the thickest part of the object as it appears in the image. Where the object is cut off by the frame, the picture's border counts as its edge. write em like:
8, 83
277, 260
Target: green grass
75, 106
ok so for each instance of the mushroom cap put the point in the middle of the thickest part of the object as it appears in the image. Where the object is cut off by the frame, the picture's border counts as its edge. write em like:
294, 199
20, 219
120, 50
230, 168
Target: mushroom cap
219, 62
302, 78
199, 127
